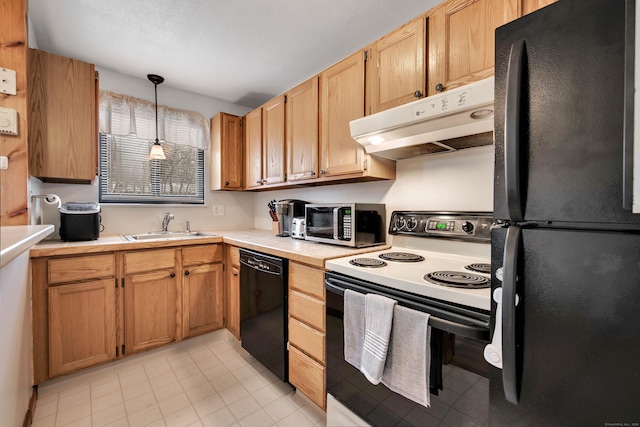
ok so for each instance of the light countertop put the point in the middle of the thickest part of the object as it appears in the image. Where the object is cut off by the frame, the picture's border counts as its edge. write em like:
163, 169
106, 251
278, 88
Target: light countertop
16, 239
311, 253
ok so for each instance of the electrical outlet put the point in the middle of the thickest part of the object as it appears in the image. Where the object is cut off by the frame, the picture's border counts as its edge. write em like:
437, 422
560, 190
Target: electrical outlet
4, 162
218, 209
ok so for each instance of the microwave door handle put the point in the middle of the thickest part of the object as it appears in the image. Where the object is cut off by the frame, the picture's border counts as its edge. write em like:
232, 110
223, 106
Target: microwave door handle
335, 223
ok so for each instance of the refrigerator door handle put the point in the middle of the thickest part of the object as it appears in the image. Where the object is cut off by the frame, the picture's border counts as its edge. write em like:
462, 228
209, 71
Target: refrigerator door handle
512, 130
509, 301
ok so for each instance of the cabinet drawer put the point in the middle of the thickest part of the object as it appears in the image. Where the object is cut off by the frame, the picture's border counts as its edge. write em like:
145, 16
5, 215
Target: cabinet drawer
137, 262
234, 255
306, 339
307, 309
202, 254
307, 376
306, 279
62, 270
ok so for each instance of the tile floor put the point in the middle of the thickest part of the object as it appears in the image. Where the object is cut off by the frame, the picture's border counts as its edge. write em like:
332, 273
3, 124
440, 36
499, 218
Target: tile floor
204, 381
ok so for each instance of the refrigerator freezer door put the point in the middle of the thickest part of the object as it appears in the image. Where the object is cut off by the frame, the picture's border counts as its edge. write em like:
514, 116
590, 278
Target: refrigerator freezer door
577, 329
564, 127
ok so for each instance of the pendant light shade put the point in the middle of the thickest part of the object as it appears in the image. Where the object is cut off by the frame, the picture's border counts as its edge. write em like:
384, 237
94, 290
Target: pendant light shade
156, 150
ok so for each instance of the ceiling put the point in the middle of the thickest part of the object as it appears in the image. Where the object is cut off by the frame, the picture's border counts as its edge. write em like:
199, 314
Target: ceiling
241, 51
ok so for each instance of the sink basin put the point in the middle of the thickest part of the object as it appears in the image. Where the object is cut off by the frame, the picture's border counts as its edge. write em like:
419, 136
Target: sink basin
167, 235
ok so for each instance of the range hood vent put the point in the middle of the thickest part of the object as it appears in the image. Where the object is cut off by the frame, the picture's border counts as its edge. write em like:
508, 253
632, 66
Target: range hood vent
457, 119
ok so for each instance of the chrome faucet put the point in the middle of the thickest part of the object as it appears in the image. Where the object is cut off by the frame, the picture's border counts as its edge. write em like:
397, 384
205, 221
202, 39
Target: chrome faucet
165, 221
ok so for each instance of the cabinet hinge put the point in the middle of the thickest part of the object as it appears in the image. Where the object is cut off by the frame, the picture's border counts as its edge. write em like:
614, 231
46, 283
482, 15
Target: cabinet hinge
364, 167
122, 283
366, 55
285, 99
116, 280
116, 351
123, 349
97, 75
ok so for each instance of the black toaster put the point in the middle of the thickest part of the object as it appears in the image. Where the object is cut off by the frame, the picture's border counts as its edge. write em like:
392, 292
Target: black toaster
79, 221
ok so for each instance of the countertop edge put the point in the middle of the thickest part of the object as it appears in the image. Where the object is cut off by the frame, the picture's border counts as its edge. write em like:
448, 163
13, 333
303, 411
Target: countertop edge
17, 239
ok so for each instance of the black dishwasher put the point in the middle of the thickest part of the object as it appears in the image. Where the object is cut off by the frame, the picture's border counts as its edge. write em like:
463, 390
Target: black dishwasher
263, 310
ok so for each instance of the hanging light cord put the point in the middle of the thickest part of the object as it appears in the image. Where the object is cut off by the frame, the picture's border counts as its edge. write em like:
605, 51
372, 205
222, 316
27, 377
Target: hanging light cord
155, 85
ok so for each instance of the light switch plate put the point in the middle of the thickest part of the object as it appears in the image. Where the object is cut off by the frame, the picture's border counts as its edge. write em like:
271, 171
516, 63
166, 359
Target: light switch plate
7, 81
4, 162
8, 121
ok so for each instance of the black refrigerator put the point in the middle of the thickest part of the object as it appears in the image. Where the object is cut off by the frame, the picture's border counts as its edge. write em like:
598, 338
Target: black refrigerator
566, 247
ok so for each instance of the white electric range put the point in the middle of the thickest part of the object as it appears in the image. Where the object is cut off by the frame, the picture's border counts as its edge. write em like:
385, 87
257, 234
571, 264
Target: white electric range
455, 270
426, 247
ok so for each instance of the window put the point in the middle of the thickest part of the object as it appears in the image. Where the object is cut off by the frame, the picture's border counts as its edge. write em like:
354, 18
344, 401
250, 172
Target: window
127, 131
128, 176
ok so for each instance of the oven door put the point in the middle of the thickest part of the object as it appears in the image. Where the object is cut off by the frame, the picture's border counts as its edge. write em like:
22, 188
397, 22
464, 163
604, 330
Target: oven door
464, 396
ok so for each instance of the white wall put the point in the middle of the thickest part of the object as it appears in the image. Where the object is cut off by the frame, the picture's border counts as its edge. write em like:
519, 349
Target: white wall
459, 181
238, 208
15, 335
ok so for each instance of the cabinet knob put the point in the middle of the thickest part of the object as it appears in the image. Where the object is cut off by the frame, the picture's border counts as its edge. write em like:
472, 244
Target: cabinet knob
417, 94
186, 273
173, 274
439, 87
226, 183
322, 172
313, 173
235, 274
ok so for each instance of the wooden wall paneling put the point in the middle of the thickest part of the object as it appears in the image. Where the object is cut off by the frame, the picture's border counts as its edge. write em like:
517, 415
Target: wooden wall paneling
14, 197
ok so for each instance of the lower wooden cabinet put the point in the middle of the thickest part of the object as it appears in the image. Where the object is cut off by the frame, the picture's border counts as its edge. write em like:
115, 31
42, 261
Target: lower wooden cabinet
82, 325
307, 331
150, 310
232, 291
308, 376
92, 309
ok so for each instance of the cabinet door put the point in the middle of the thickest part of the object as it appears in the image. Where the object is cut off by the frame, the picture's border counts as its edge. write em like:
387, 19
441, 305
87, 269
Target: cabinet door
202, 289
232, 317
63, 133
302, 131
308, 376
395, 67
528, 6
273, 141
341, 100
461, 38
82, 325
150, 310
253, 149
226, 152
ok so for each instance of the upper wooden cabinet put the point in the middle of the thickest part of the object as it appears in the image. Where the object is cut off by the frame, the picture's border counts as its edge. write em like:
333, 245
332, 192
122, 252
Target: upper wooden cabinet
461, 36
341, 100
273, 143
226, 152
63, 131
528, 6
342, 89
253, 149
396, 67
302, 131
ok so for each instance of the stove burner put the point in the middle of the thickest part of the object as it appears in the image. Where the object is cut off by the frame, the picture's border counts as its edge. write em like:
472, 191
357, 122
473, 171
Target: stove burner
401, 257
367, 262
458, 279
479, 267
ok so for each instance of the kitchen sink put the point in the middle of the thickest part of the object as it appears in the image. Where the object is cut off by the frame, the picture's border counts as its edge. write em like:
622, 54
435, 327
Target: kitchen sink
167, 235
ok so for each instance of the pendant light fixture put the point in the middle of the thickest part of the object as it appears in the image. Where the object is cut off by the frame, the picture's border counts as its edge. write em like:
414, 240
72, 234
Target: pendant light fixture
156, 150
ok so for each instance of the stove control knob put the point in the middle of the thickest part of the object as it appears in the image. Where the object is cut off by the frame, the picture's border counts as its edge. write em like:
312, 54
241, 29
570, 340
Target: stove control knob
400, 223
467, 227
412, 223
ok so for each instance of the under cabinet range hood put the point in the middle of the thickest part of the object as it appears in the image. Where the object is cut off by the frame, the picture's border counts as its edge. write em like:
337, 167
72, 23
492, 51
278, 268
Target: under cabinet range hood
456, 119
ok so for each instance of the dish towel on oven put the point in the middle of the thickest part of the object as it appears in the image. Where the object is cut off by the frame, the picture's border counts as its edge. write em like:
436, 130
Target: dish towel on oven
353, 326
378, 318
408, 360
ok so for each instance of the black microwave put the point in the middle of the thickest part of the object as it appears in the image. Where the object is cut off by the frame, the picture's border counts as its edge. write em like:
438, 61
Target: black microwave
348, 224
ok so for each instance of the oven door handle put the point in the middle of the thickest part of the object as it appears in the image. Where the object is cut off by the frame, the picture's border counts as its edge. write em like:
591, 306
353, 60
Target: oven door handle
476, 332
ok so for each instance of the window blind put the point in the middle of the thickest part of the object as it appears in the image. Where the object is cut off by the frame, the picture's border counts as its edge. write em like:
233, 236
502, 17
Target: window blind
128, 176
